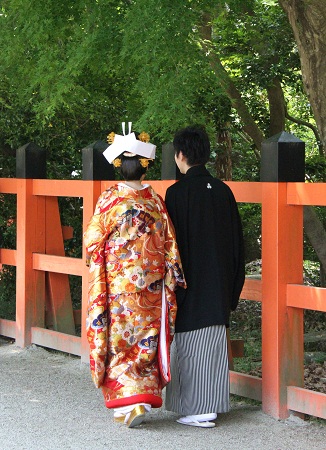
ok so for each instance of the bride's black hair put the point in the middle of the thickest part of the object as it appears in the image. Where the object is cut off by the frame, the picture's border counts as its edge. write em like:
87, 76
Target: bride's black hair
131, 169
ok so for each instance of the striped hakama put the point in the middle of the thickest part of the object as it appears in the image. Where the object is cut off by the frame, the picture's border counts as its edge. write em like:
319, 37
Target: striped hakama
199, 372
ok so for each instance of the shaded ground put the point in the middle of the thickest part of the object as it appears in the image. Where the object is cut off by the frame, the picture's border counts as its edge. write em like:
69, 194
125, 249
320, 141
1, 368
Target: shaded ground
47, 401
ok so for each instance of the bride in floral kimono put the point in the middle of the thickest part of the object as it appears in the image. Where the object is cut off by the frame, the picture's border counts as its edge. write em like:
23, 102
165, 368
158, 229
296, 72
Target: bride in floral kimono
131, 252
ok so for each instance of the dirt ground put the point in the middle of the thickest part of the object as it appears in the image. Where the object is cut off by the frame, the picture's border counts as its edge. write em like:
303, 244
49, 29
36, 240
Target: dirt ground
48, 401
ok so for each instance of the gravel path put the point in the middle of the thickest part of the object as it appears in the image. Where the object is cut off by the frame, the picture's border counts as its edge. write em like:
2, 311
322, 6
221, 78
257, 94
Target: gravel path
48, 402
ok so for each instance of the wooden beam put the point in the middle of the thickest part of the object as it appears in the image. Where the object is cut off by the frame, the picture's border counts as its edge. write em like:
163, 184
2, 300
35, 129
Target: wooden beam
56, 340
246, 385
60, 188
8, 256
8, 185
306, 194
246, 192
252, 289
58, 264
307, 401
8, 328
306, 297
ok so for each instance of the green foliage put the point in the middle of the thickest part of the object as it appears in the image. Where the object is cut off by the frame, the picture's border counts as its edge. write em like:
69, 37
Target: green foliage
311, 271
174, 84
256, 45
92, 64
245, 166
315, 168
72, 71
246, 324
7, 293
251, 222
58, 43
7, 240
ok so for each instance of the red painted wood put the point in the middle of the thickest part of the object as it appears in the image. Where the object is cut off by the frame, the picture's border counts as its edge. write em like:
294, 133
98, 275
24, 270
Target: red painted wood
8, 328
246, 385
306, 194
306, 297
306, 401
8, 257
252, 290
282, 327
30, 285
60, 188
280, 290
56, 340
59, 312
243, 191
60, 264
237, 348
8, 185
67, 232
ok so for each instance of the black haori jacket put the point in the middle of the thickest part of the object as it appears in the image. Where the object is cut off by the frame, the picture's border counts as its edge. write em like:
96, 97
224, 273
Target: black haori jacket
209, 235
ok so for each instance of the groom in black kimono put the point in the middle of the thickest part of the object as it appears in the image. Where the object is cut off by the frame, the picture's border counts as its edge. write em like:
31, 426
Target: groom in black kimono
209, 235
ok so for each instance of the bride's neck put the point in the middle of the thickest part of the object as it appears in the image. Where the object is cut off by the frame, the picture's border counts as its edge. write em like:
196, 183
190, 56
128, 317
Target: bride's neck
135, 184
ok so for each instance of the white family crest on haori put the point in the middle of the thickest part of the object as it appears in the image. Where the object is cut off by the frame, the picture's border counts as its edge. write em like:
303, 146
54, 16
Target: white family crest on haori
128, 143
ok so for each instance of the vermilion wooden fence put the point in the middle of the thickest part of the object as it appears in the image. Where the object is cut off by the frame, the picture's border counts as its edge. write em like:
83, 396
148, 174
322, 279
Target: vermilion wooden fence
39, 254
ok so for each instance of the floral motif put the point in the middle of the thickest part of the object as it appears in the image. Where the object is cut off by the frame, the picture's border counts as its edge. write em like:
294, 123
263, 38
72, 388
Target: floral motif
144, 137
131, 246
110, 137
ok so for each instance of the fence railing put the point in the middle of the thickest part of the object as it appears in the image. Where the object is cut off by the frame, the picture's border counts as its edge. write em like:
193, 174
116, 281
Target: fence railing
42, 270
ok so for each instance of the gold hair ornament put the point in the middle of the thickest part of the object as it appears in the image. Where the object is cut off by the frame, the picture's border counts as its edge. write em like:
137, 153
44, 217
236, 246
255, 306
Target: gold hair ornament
144, 162
110, 137
143, 136
117, 162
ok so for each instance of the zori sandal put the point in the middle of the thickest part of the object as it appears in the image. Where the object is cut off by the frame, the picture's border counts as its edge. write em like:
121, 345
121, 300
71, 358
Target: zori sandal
199, 420
195, 423
119, 417
136, 417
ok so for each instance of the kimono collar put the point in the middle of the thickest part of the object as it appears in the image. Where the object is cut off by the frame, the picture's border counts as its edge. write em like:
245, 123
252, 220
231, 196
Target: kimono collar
199, 170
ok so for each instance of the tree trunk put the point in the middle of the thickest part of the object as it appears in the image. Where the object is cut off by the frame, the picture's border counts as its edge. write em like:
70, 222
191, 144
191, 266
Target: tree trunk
223, 162
308, 19
276, 108
250, 127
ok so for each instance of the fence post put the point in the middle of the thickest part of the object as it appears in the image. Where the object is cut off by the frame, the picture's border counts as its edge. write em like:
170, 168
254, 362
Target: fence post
169, 169
95, 166
282, 255
58, 305
30, 284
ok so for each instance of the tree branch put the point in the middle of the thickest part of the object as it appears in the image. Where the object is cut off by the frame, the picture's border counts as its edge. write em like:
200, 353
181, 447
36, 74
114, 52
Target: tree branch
250, 127
308, 125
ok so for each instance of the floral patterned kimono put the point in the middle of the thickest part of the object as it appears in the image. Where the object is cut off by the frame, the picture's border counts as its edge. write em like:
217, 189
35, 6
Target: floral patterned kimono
130, 248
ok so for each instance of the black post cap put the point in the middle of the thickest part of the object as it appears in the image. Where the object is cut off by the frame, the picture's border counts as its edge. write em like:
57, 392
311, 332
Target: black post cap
283, 159
95, 166
169, 169
30, 162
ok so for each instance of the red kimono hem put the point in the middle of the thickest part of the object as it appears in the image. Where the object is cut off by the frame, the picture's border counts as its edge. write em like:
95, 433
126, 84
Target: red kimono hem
153, 400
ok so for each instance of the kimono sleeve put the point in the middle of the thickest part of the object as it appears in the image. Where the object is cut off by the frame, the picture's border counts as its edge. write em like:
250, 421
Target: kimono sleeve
96, 323
96, 231
174, 275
